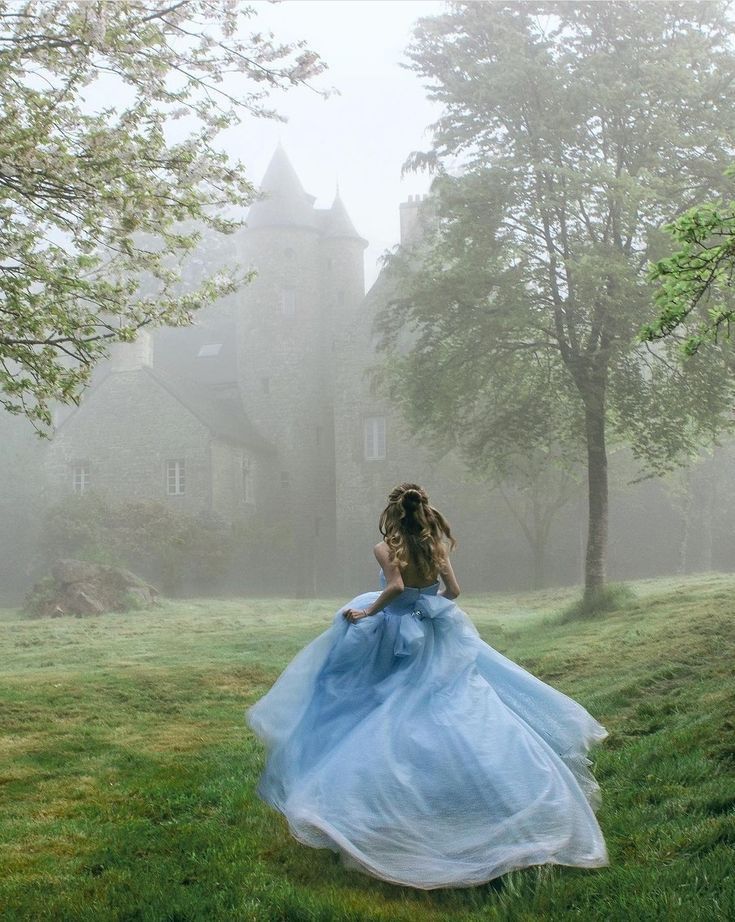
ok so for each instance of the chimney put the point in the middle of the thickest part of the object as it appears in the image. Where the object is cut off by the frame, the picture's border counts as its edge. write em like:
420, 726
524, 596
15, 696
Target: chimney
410, 225
133, 356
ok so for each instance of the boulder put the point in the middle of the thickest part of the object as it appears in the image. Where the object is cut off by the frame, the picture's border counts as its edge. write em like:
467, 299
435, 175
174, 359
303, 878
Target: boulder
81, 588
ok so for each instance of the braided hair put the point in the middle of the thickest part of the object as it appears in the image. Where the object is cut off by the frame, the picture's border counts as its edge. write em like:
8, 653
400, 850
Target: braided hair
415, 531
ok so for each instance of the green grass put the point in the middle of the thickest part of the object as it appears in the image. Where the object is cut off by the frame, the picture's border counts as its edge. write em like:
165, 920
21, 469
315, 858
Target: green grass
127, 774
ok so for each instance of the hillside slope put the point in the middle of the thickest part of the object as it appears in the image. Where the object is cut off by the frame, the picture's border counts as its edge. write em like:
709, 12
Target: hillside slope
127, 775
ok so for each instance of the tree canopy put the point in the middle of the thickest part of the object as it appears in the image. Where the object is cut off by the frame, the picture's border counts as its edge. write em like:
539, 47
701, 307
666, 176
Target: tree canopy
695, 300
110, 172
569, 135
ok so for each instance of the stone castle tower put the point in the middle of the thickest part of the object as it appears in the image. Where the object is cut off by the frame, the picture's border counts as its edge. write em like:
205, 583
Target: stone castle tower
310, 278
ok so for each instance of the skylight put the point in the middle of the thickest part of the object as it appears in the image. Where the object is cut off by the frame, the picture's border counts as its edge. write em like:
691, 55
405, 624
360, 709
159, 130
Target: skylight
209, 349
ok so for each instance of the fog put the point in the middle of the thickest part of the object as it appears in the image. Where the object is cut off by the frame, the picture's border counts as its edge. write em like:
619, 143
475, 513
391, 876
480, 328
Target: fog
249, 453
359, 137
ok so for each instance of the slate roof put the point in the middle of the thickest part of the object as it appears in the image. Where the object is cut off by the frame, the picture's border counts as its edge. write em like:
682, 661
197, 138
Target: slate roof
176, 352
337, 222
286, 204
206, 384
222, 413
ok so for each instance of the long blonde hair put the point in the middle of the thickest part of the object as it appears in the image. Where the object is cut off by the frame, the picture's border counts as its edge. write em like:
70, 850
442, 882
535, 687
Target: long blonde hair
415, 531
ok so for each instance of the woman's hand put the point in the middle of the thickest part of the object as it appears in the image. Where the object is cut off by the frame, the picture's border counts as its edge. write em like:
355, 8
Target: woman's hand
355, 614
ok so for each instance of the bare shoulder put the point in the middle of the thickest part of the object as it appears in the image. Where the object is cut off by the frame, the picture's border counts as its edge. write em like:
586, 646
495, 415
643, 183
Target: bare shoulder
381, 551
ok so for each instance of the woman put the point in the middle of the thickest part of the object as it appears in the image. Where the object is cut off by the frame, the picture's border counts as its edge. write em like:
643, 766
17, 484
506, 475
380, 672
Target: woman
404, 742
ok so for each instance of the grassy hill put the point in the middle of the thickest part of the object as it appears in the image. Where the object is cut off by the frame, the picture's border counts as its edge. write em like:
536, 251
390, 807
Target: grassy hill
127, 774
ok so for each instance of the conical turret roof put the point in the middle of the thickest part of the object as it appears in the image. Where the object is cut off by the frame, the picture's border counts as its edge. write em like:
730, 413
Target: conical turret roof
284, 201
338, 223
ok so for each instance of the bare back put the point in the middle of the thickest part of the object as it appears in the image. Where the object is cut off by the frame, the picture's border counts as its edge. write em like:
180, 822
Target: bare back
410, 576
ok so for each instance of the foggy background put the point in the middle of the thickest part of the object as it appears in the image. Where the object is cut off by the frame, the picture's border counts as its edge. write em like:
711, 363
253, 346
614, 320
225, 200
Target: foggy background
361, 136
240, 456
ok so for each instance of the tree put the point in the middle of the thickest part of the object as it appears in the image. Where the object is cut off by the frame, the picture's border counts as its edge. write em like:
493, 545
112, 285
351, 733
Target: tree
572, 132
695, 301
536, 490
100, 204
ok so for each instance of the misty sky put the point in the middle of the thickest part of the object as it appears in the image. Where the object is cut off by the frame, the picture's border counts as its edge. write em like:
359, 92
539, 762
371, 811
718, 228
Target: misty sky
361, 137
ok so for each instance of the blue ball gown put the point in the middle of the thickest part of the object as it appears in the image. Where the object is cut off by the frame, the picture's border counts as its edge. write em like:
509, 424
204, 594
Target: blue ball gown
423, 756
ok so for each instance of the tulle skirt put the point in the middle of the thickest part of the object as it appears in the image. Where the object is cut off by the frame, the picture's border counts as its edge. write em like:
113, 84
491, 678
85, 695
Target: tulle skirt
423, 756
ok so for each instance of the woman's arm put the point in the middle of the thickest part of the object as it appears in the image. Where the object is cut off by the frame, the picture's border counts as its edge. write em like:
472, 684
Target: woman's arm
393, 585
451, 586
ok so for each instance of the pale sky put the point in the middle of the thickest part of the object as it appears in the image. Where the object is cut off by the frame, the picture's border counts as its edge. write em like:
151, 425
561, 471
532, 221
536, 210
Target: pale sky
362, 137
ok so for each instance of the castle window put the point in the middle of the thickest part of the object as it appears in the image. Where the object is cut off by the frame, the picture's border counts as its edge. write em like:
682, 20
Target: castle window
375, 438
288, 302
285, 479
209, 349
175, 478
248, 491
80, 477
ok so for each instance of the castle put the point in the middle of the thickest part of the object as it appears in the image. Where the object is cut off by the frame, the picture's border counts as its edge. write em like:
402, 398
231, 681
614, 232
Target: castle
263, 405
262, 410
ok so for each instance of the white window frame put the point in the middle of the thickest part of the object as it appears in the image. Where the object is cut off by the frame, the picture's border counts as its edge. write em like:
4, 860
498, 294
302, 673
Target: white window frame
80, 477
176, 477
374, 438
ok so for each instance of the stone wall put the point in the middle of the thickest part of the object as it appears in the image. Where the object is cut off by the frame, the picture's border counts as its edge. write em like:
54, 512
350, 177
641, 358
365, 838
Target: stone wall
228, 490
128, 427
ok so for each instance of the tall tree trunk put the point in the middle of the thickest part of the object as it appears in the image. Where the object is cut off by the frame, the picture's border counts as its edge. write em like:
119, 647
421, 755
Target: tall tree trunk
686, 520
710, 504
594, 572
538, 548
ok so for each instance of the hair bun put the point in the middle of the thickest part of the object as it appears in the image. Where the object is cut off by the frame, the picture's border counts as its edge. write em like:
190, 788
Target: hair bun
412, 498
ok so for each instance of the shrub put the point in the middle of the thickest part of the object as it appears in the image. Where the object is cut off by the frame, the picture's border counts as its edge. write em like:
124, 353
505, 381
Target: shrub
175, 551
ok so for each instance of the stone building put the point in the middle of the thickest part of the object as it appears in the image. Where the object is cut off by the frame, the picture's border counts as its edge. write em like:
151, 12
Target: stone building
263, 410
144, 433
263, 407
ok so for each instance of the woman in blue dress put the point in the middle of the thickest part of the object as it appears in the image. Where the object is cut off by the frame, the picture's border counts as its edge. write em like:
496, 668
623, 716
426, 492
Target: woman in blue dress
401, 740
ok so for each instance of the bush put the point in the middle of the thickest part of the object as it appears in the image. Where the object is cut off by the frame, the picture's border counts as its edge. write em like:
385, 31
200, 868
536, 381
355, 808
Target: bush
175, 551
